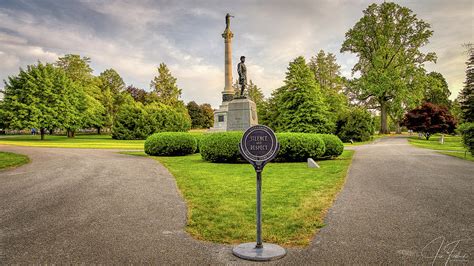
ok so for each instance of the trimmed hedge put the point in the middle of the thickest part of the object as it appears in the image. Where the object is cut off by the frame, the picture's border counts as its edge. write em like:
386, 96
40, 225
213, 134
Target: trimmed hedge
221, 147
294, 147
334, 145
298, 147
170, 143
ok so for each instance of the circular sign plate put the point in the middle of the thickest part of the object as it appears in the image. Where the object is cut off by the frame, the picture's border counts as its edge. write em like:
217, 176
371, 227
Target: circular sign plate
259, 144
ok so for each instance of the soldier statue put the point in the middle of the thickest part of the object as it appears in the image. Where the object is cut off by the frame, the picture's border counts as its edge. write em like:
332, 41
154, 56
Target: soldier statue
242, 70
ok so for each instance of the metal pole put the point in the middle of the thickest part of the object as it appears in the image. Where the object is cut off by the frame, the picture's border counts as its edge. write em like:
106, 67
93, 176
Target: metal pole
259, 210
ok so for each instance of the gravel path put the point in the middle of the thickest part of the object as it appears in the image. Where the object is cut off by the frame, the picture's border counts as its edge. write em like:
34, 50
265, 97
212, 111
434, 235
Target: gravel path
98, 206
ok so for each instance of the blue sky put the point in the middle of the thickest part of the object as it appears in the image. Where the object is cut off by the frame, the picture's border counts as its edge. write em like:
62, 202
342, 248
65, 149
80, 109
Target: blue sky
134, 37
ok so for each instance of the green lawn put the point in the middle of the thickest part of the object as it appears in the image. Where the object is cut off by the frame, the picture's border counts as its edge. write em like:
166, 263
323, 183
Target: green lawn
80, 141
221, 198
452, 145
9, 159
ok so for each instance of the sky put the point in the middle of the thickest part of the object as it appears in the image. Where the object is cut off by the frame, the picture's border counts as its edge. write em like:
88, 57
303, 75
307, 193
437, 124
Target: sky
134, 37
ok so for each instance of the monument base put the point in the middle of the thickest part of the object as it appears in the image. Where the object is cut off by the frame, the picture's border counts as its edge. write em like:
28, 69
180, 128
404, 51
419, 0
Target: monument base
241, 114
220, 118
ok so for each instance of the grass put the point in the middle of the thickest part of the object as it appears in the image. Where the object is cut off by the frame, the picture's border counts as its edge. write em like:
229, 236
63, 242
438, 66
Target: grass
452, 145
80, 141
221, 198
9, 159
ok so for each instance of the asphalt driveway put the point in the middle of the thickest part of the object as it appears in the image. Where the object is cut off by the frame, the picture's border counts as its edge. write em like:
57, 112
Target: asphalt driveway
400, 204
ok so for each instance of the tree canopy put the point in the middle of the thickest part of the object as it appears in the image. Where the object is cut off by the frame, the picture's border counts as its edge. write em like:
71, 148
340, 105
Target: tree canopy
42, 97
387, 40
466, 95
164, 85
299, 105
436, 89
429, 119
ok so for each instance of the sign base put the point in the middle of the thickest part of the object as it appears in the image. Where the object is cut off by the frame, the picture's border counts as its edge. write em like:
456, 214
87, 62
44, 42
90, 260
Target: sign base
248, 251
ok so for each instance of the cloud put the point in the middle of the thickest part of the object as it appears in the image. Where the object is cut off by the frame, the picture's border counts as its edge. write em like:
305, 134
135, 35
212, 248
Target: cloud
134, 37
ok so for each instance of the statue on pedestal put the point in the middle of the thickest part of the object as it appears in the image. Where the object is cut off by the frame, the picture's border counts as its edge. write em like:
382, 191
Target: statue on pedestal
242, 70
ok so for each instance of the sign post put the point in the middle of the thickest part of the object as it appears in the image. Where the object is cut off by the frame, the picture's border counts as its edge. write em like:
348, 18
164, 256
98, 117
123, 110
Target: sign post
259, 145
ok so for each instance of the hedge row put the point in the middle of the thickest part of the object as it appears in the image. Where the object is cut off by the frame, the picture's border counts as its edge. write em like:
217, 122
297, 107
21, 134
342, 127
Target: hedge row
170, 144
294, 147
223, 147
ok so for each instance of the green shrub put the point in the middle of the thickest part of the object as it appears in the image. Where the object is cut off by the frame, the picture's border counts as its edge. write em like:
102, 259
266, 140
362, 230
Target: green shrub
170, 143
357, 124
164, 118
221, 147
298, 147
198, 137
131, 122
334, 145
467, 131
294, 147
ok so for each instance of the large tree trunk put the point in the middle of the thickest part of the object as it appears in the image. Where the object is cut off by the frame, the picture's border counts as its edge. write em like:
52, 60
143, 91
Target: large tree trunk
98, 130
51, 131
383, 119
70, 133
399, 128
42, 131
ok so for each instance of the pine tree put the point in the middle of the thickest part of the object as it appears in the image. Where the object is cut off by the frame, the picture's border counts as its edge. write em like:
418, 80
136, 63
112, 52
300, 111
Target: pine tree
299, 106
164, 86
466, 95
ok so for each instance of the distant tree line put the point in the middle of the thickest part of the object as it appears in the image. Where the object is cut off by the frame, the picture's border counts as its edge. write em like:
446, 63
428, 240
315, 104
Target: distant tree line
67, 96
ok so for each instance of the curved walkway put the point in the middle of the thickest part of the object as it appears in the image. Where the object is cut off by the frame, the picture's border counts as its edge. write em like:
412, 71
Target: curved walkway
97, 206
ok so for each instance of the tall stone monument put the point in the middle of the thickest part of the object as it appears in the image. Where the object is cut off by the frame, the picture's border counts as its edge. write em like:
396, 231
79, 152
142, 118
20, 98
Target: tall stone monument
233, 114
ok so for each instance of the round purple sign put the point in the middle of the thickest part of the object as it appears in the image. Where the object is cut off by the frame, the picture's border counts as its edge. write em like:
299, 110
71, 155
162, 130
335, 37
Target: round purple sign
259, 144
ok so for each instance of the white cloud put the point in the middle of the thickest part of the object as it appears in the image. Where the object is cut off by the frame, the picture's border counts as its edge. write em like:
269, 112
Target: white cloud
135, 37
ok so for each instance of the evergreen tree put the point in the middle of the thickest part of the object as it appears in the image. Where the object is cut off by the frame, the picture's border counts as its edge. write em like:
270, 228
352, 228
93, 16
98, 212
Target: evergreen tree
328, 76
466, 95
299, 106
164, 86
42, 97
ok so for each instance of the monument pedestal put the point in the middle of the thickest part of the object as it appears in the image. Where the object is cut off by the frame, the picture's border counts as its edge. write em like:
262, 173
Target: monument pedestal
220, 118
241, 114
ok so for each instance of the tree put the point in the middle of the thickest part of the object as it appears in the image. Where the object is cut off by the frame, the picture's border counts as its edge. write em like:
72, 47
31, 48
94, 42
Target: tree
164, 118
43, 97
112, 87
466, 95
429, 119
196, 114
299, 106
387, 41
139, 95
202, 116
208, 114
79, 71
436, 89
355, 124
131, 122
328, 76
164, 85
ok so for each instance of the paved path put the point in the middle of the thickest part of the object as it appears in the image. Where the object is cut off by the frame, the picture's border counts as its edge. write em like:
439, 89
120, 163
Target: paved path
97, 206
